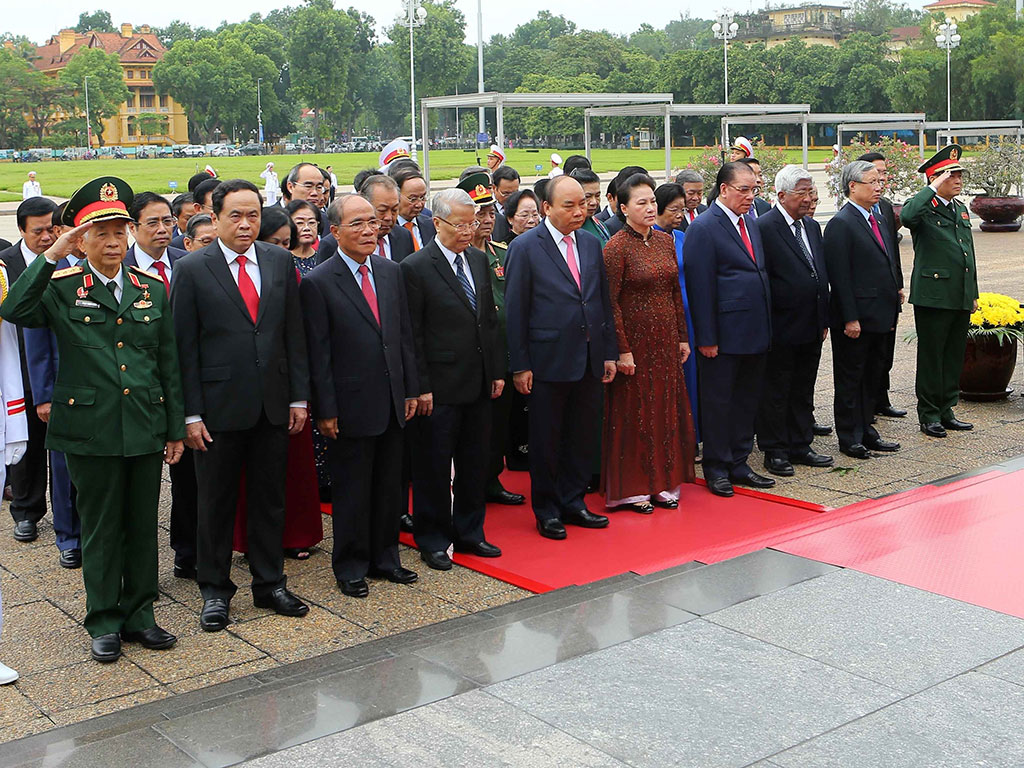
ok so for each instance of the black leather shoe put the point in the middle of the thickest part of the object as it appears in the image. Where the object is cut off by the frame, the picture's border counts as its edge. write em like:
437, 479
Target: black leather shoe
506, 497
215, 615
779, 466
185, 572
822, 429
355, 588
397, 576
551, 529
106, 648
956, 425
584, 518
282, 602
26, 530
720, 486
892, 413
439, 561
154, 638
856, 451
933, 429
405, 523
885, 446
753, 480
479, 548
71, 558
812, 459
665, 503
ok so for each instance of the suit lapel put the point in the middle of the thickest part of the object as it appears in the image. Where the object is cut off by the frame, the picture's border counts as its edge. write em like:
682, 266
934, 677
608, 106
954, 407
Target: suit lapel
479, 269
727, 225
266, 281
556, 255
448, 275
350, 287
218, 266
867, 228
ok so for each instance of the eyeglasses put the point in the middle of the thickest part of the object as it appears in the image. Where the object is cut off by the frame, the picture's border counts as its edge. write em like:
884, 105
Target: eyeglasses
461, 228
416, 198
309, 185
527, 216
876, 183
167, 221
743, 190
371, 224
675, 210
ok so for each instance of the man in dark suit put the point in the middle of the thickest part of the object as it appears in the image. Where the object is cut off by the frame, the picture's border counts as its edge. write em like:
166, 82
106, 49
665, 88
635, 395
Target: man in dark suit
363, 372
799, 290
460, 364
201, 203
886, 217
151, 227
613, 223
412, 200
760, 206
693, 193
245, 376
730, 303
28, 477
506, 181
393, 242
865, 283
562, 347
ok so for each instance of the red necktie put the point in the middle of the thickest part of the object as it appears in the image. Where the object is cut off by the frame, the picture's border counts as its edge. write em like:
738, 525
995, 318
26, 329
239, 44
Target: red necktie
746, 240
380, 248
877, 231
415, 243
693, 214
368, 294
248, 289
161, 270
570, 257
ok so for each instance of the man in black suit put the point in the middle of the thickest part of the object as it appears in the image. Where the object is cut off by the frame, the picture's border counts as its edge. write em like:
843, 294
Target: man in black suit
412, 200
245, 376
886, 216
506, 181
363, 370
562, 348
760, 206
863, 275
393, 242
201, 203
730, 303
460, 363
152, 224
799, 289
29, 476
693, 193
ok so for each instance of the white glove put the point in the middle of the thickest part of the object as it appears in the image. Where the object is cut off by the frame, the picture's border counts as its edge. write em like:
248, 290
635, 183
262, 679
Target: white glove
13, 452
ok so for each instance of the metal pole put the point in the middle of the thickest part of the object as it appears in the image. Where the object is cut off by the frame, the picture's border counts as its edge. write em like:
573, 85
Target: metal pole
499, 115
948, 94
88, 119
668, 144
259, 111
586, 133
803, 138
426, 149
412, 78
482, 127
725, 45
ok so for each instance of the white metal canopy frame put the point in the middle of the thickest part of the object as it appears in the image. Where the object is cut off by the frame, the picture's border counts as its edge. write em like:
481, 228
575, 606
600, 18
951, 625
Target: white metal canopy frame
668, 111
499, 101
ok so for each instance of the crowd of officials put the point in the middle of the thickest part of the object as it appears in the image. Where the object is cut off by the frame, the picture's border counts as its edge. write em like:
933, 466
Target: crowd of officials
351, 348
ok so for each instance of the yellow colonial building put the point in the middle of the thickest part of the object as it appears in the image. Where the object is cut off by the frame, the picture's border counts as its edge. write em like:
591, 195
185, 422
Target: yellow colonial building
138, 51
813, 23
958, 10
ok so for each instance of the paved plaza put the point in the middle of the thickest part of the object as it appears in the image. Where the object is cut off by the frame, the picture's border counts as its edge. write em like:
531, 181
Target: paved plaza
767, 659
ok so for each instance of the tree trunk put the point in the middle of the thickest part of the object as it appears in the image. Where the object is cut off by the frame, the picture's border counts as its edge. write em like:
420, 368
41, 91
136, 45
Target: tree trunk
316, 128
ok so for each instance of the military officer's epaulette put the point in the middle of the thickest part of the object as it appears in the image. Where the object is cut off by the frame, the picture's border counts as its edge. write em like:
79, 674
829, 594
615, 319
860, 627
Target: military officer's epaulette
67, 272
2, 264
152, 275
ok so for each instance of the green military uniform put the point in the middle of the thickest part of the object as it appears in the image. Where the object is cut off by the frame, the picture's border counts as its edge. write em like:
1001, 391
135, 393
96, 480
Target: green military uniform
943, 288
597, 229
116, 401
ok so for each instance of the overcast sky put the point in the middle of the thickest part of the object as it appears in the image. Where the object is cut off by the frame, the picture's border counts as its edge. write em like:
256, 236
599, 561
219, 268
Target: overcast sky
619, 16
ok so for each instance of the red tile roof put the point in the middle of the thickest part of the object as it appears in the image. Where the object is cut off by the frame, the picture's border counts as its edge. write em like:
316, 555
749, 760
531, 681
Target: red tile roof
140, 48
947, 3
905, 33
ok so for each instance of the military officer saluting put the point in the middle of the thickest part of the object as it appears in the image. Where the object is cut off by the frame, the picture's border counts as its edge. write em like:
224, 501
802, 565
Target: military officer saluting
943, 288
117, 409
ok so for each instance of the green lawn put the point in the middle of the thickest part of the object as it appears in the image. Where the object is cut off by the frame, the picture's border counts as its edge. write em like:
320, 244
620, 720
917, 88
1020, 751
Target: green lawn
61, 179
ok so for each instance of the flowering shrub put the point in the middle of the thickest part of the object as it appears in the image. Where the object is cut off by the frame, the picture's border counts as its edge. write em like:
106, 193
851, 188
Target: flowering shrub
998, 315
996, 169
901, 159
709, 162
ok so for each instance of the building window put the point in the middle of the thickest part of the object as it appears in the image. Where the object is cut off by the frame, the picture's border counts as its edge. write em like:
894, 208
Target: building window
131, 98
163, 101
130, 74
131, 126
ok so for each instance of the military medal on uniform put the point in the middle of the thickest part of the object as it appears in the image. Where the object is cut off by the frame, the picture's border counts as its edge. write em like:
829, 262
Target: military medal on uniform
83, 299
144, 302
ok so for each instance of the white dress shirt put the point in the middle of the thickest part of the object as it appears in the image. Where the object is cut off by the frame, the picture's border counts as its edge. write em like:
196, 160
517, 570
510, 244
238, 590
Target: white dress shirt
562, 247
803, 227
146, 262
27, 254
387, 247
117, 279
863, 211
354, 266
31, 189
450, 255
252, 265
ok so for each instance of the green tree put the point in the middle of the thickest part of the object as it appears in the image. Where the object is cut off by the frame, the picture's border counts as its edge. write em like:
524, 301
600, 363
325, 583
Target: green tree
150, 124
879, 16
687, 32
179, 30
14, 74
43, 96
320, 52
97, 21
107, 90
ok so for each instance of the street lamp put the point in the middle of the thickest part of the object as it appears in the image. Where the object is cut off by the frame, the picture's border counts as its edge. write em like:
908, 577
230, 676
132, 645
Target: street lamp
88, 121
259, 109
481, 128
948, 39
415, 16
725, 29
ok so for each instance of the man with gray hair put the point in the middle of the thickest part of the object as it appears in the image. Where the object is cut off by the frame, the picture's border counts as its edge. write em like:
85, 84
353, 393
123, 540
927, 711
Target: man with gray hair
693, 192
860, 256
393, 242
799, 292
460, 362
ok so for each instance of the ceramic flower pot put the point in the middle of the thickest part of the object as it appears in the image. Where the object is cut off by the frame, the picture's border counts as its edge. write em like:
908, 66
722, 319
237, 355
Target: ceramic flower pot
988, 368
998, 214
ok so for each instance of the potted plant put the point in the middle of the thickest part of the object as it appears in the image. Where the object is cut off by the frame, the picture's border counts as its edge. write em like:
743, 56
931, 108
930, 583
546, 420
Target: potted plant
991, 355
995, 173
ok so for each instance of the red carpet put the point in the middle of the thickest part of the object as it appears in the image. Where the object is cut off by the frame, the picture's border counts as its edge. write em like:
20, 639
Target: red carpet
961, 540
704, 528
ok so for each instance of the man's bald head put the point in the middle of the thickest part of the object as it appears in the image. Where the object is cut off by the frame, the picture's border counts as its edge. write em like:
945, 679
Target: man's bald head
565, 204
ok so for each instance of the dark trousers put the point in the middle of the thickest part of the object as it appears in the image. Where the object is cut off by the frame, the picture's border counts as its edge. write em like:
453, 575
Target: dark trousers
856, 369
785, 420
117, 501
262, 452
888, 357
66, 524
184, 500
730, 394
28, 477
518, 450
565, 419
367, 495
941, 340
452, 432
501, 423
